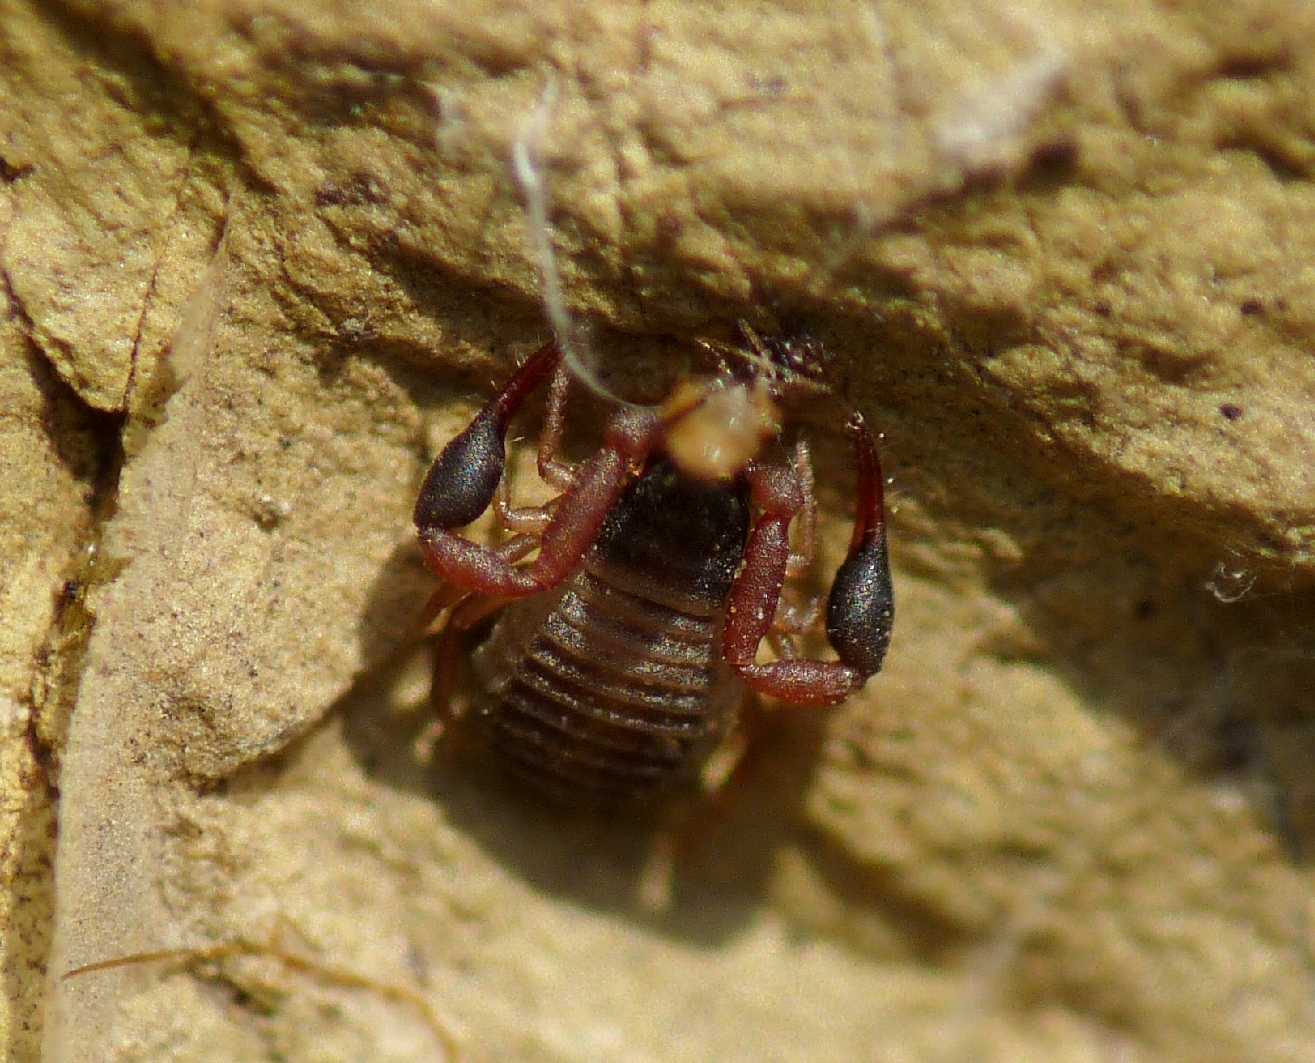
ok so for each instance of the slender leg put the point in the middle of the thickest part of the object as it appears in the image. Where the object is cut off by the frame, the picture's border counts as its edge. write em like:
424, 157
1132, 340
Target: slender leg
783, 645
531, 519
798, 618
691, 821
861, 605
440, 601
753, 340
552, 470
721, 354
801, 560
468, 613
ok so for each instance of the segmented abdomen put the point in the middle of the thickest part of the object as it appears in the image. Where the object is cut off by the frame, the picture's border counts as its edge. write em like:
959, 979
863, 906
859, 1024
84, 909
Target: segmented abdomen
612, 689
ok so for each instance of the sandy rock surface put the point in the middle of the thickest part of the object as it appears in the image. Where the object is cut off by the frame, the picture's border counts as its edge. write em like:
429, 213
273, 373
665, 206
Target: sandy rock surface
260, 260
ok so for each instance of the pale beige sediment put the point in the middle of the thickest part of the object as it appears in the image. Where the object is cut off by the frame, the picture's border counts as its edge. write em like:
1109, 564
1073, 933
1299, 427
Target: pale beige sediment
48, 466
1061, 252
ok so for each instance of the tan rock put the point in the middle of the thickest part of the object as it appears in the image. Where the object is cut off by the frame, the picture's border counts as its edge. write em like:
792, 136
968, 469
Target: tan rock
1061, 252
48, 472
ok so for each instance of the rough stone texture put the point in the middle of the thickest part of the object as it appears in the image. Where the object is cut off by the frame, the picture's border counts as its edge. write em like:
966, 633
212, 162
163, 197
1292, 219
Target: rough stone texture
1062, 254
48, 467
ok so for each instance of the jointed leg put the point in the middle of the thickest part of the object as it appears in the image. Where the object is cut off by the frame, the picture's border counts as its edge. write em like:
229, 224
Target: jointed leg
468, 613
528, 519
801, 559
796, 618
783, 645
552, 470
690, 822
449, 648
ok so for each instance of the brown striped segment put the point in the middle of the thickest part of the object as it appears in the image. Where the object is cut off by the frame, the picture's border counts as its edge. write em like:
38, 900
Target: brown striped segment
609, 699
